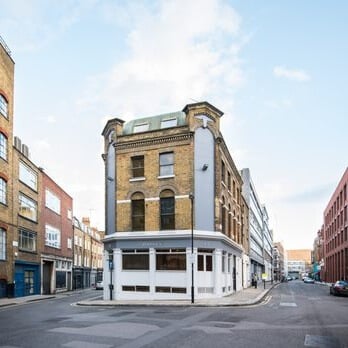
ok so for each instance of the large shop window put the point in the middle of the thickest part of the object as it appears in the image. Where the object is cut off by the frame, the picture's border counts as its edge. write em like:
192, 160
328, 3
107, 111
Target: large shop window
3, 146
205, 260
137, 166
27, 240
171, 260
27, 176
2, 244
3, 106
167, 206
138, 212
135, 259
3, 191
166, 164
27, 207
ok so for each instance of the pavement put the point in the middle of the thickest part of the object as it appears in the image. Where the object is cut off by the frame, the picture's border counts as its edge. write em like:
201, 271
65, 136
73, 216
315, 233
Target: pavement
246, 297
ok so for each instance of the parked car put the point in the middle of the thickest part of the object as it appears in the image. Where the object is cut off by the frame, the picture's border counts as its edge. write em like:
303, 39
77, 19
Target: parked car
339, 288
308, 280
288, 278
99, 286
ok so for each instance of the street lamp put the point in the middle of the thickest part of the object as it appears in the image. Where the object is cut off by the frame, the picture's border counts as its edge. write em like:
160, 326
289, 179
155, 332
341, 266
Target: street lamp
192, 197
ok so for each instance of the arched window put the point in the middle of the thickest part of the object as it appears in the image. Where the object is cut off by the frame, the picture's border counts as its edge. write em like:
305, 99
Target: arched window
167, 210
229, 221
223, 216
138, 212
2, 244
3, 146
3, 191
3, 106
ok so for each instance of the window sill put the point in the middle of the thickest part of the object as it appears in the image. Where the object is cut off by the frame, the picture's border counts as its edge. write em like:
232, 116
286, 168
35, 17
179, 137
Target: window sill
140, 178
166, 177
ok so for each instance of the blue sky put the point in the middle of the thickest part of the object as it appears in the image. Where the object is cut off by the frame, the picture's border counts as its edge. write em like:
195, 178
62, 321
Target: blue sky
278, 69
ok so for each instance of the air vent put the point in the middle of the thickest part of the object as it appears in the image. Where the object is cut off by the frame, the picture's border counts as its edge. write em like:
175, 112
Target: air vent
18, 143
25, 150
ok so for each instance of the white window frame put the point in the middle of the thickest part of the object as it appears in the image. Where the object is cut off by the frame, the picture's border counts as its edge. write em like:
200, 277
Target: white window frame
171, 122
3, 106
27, 176
142, 127
3, 191
3, 146
52, 237
27, 203
52, 201
2, 244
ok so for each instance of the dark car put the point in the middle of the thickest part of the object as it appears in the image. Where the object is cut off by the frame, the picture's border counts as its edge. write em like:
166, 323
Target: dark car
339, 288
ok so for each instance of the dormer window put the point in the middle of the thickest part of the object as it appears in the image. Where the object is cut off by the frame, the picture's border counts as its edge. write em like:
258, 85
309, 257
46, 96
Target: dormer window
172, 122
3, 106
143, 127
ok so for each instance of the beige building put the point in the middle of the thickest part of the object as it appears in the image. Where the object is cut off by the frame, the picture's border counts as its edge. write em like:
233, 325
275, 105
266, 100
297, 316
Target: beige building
176, 222
87, 254
299, 261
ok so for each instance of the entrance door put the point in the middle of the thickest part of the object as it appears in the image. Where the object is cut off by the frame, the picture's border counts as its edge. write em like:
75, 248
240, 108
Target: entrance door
46, 273
234, 274
29, 283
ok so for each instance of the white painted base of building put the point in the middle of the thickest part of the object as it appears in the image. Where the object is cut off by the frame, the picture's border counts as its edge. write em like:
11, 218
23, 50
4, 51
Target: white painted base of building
217, 265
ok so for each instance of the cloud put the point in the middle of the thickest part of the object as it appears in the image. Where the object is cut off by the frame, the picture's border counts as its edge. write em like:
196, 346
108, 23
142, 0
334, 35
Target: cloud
171, 60
291, 74
31, 25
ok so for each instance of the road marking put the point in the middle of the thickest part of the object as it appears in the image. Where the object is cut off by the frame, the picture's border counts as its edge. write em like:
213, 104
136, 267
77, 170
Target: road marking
287, 304
84, 344
321, 341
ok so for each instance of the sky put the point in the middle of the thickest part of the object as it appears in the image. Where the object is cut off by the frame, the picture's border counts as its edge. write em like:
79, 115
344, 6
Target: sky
277, 69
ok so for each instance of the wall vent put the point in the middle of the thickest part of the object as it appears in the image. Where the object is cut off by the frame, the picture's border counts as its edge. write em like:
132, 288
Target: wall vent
25, 150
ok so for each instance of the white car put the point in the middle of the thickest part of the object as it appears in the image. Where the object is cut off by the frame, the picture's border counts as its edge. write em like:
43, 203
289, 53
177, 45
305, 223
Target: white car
99, 286
308, 280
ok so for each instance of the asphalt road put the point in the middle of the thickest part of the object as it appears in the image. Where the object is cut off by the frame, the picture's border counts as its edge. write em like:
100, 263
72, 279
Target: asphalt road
293, 315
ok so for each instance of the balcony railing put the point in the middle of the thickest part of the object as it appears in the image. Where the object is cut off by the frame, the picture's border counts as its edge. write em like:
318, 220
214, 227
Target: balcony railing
3, 44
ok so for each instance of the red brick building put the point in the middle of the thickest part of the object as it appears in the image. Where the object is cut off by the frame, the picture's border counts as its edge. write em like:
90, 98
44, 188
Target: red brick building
335, 233
57, 248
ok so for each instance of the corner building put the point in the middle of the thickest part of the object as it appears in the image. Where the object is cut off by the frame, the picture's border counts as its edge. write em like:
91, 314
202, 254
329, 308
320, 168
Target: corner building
172, 187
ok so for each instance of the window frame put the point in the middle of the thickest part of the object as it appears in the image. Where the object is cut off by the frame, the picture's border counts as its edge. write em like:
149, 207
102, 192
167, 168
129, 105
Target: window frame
169, 123
164, 165
50, 200
3, 106
53, 232
30, 203
167, 214
137, 219
2, 244
143, 256
171, 259
3, 146
135, 168
3, 191
25, 170
30, 237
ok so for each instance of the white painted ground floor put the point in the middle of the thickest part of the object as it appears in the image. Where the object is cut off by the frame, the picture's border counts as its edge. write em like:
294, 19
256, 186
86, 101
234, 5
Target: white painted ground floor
160, 265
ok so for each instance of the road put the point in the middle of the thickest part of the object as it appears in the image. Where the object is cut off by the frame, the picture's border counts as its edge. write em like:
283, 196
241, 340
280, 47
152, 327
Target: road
293, 315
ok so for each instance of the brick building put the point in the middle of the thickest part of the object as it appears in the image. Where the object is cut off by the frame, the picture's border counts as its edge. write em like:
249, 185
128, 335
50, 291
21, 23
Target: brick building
88, 254
7, 228
57, 232
169, 178
278, 261
335, 233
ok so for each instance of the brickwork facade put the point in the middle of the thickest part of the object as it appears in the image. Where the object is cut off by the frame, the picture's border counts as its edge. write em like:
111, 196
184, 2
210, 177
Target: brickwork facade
335, 234
174, 184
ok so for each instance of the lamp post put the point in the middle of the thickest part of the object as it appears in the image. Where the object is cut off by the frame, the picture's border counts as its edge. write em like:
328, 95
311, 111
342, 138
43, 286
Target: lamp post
191, 196
111, 267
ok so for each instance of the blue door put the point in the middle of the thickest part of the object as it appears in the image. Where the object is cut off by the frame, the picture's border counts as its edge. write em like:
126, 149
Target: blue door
27, 277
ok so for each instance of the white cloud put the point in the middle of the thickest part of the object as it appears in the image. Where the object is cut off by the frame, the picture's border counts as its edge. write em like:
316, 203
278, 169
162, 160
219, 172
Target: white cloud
172, 59
291, 74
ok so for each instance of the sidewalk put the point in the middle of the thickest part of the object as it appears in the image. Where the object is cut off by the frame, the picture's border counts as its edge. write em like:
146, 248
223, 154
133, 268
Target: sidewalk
4, 302
245, 297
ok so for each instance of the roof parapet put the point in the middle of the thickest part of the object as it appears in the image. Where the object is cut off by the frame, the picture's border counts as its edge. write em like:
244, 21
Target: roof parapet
3, 44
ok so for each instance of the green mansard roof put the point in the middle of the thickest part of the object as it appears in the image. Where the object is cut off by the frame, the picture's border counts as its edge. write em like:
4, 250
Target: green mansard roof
152, 123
